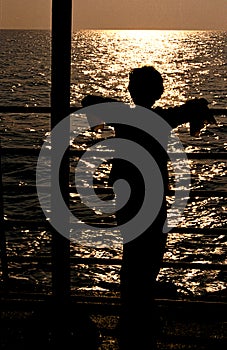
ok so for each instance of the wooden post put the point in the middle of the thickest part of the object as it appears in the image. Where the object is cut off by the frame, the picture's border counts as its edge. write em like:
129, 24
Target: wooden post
60, 108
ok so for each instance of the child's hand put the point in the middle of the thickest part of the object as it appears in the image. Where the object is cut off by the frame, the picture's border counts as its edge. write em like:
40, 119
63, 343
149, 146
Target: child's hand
201, 115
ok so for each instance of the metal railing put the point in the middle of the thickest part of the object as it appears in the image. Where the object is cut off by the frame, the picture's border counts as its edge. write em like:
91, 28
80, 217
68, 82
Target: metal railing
104, 261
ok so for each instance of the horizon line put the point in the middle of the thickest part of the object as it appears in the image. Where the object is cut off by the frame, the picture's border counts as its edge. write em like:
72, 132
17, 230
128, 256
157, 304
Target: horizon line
121, 29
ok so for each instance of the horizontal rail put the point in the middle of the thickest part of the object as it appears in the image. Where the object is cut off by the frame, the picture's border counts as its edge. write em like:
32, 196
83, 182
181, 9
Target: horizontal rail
203, 155
20, 151
28, 301
109, 191
31, 224
47, 109
197, 230
200, 193
27, 110
35, 152
108, 261
195, 266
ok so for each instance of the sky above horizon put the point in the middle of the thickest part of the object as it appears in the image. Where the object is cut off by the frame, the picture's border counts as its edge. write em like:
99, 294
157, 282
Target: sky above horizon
119, 14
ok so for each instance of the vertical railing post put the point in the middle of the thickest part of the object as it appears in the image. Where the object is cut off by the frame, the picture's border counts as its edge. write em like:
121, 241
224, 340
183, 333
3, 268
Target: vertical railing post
4, 260
60, 108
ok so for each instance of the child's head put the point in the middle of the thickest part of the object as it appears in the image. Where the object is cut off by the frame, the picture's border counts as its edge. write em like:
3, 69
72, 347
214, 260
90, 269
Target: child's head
145, 85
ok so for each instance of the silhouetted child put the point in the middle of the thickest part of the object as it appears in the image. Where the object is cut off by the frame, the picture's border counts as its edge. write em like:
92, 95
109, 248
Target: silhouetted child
142, 257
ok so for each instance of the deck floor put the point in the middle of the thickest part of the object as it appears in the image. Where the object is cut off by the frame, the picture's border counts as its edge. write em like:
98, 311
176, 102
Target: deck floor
184, 325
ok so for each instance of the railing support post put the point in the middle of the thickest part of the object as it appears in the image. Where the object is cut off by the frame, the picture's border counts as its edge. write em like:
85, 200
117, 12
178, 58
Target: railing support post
4, 260
60, 108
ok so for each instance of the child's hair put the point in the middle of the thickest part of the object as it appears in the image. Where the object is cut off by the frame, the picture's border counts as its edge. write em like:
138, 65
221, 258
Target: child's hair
145, 82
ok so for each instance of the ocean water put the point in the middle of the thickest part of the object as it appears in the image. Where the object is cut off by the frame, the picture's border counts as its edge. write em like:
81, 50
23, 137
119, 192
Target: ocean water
193, 64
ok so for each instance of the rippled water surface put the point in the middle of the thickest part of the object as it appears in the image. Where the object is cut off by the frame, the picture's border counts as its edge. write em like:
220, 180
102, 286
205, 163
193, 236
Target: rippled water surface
193, 64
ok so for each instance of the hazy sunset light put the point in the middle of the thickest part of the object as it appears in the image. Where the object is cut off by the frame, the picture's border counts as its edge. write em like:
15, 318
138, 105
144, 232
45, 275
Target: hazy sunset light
118, 14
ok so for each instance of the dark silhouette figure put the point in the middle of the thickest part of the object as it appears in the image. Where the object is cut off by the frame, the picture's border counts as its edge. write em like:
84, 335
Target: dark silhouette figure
142, 257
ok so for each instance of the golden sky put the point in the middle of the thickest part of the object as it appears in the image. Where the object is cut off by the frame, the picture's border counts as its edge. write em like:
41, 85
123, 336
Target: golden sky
119, 14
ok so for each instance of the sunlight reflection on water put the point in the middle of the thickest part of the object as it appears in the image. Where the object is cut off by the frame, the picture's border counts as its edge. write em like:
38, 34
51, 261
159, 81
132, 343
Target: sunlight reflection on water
193, 64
